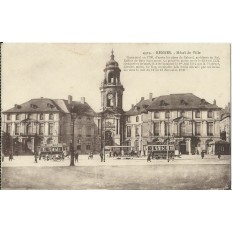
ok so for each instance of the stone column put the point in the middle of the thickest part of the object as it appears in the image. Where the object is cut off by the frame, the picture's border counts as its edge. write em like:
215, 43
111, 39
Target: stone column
189, 147
13, 129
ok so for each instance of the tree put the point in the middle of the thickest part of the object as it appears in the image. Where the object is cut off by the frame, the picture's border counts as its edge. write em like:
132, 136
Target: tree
6, 143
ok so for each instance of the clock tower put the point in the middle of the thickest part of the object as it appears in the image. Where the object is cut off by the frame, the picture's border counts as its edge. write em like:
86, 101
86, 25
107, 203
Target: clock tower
111, 105
111, 87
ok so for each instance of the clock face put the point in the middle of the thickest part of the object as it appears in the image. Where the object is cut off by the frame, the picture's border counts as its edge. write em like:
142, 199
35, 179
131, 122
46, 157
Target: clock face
110, 96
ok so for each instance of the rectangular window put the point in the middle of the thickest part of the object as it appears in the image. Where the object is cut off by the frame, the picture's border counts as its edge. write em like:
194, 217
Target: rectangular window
198, 128
8, 128
50, 128
128, 131
41, 117
156, 129
88, 131
17, 129
117, 126
167, 129
156, 114
29, 129
197, 114
8, 117
79, 131
88, 147
136, 131
17, 117
78, 147
41, 129
210, 114
128, 119
209, 128
167, 114
98, 126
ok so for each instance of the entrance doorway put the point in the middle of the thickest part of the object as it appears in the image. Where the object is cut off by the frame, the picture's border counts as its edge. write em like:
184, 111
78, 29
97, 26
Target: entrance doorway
182, 146
108, 138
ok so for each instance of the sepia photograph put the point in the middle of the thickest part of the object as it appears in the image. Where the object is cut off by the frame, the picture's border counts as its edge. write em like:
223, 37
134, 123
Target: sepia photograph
136, 116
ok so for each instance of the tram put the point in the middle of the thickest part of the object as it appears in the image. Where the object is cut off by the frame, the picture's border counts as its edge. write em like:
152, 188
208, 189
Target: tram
161, 151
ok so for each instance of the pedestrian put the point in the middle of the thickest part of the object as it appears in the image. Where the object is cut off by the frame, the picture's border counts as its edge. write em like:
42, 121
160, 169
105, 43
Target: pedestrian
101, 156
39, 153
76, 156
219, 155
202, 154
110, 154
35, 154
149, 157
91, 155
11, 156
2, 157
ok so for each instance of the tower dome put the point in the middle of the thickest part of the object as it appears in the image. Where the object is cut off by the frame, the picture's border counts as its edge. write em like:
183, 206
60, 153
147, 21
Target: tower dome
112, 62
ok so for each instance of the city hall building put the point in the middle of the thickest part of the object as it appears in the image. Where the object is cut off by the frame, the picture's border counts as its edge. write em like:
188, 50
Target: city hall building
188, 122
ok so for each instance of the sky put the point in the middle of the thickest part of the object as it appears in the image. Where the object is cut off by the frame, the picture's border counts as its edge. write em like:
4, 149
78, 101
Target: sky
58, 70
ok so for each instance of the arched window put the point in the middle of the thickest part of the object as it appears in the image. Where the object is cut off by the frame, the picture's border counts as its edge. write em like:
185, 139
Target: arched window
182, 129
29, 129
111, 78
109, 100
51, 116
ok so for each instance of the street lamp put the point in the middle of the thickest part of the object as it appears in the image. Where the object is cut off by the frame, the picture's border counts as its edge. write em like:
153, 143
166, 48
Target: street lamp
73, 118
168, 138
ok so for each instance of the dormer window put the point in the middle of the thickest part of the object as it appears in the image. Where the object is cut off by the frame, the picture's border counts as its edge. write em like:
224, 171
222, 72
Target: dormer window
183, 102
203, 102
162, 103
50, 105
33, 106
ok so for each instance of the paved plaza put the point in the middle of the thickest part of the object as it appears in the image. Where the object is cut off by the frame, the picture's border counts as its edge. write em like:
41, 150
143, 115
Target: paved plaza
187, 172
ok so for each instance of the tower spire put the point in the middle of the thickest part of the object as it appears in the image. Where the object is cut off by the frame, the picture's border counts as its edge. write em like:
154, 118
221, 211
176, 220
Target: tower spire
112, 55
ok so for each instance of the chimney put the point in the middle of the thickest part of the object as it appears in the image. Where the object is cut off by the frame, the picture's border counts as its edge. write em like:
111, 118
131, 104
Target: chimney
142, 98
132, 106
69, 99
82, 100
214, 102
150, 96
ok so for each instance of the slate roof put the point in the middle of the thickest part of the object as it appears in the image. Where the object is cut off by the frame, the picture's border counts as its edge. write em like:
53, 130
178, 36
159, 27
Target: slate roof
139, 108
43, 105
181, 102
